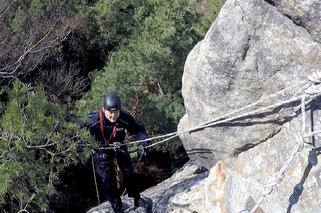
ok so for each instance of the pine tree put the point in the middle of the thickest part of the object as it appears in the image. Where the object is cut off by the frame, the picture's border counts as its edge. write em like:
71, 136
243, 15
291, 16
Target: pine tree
37, 141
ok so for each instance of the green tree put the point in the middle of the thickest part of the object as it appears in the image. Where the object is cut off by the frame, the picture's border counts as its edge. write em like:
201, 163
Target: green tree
146, 69
37, 141
50, 44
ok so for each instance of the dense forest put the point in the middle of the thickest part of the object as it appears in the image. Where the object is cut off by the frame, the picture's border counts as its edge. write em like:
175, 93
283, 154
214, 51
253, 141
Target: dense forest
58, 58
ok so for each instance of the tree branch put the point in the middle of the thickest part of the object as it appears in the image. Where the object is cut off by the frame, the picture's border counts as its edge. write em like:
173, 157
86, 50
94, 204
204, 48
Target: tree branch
3, 12
5, 71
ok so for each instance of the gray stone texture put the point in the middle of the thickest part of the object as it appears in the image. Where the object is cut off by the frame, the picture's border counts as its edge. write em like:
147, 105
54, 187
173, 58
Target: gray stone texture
252, 50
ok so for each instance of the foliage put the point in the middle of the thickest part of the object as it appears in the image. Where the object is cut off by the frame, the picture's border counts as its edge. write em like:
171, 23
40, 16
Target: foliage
36, 143
208, 10
114, 19
146, 69
30, 30
45, 41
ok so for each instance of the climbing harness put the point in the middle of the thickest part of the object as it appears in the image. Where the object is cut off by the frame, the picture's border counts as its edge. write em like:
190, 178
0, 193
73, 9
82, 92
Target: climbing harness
116, 146
113, 133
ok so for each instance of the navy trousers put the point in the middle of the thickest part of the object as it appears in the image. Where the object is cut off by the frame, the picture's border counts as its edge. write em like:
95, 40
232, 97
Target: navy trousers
105, 169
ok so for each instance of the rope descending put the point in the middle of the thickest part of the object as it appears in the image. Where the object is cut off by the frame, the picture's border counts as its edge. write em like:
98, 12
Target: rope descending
313, 89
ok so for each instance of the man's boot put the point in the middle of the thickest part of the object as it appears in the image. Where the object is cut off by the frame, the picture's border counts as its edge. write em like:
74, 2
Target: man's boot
136, 201
117, 205
143, 202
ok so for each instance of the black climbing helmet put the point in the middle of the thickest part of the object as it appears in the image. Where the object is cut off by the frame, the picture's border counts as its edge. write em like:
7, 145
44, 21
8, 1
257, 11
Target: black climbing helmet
111, 102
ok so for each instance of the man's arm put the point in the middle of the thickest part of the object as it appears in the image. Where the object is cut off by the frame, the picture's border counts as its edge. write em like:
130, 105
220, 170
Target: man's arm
134, 128
139, 131
88, 122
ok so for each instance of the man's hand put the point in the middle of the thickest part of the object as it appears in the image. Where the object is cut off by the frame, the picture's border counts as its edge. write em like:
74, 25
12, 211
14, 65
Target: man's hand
142, 151
116, 145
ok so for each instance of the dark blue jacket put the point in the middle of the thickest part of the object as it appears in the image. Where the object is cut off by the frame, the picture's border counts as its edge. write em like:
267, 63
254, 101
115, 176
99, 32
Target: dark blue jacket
124, 124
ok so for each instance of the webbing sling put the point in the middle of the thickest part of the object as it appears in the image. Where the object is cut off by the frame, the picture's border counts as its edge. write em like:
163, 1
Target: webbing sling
113, 134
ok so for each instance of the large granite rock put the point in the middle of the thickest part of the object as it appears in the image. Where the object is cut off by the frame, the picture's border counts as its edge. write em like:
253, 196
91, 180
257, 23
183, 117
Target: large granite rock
305, 14
253, 49
239, 187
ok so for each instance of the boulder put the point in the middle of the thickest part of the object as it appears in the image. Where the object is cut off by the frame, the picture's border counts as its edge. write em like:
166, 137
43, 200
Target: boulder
253, 49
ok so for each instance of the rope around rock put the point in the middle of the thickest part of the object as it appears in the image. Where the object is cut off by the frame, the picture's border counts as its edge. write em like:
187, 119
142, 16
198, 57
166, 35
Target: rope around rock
311, 90
315, 79
226, 118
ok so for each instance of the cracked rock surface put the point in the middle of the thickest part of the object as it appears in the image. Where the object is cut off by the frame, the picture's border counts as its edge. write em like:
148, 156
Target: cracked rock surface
253, 49
304, 13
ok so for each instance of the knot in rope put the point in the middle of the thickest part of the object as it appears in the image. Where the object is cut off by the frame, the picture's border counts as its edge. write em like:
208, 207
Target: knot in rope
315, 83
315, 77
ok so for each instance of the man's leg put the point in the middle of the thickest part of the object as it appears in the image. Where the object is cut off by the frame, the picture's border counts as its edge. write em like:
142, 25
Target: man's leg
130, 178
107, 174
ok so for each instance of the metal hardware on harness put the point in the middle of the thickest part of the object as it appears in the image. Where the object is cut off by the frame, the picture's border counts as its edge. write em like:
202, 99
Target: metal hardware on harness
115, 146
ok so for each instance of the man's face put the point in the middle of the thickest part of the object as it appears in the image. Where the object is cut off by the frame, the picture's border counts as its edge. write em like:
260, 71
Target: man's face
112, 116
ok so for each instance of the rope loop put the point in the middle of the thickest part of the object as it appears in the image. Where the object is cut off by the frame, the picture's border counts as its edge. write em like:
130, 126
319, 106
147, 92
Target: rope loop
315, 77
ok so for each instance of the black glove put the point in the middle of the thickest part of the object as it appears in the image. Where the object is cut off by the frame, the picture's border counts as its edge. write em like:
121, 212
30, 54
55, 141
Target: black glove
116, 145
141, 149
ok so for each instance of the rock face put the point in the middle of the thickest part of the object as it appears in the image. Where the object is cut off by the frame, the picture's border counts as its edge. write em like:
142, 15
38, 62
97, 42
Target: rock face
304, 14
240, 186
254, 48
183, 180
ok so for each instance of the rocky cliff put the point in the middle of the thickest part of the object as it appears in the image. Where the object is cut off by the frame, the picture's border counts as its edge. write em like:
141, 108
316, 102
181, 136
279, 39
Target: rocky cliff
255, 48
259, 52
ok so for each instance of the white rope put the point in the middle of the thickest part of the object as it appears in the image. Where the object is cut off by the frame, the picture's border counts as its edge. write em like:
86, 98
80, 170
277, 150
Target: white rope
217, 121
212, 122
225, 118
279, 176
315, 78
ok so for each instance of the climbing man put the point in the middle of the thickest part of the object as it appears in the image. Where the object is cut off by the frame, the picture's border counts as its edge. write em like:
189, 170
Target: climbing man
109, 126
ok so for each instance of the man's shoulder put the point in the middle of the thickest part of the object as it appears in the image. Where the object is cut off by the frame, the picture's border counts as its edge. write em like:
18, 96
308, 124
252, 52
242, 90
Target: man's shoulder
93, 117
125, 114
126, 117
